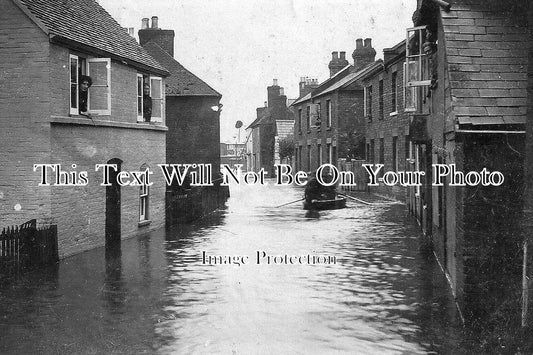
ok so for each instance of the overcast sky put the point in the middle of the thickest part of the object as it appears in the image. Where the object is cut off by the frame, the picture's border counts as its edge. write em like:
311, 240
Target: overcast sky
239, 46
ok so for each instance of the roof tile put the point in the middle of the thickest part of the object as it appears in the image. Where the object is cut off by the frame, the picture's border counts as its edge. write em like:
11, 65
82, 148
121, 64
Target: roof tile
181, 81
87, 23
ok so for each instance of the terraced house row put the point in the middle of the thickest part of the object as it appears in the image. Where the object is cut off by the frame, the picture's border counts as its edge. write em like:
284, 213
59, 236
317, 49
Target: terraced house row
453, 91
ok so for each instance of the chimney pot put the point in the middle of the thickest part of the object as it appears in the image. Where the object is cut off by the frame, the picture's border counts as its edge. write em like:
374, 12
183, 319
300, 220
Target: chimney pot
334, 55
368, 42
266, 104
343, 55
145, 24
359, 43
154, 22
281, 91
275, 82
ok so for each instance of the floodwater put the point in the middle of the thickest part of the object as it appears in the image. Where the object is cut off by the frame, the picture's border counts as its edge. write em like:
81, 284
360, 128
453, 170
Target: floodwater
158, 296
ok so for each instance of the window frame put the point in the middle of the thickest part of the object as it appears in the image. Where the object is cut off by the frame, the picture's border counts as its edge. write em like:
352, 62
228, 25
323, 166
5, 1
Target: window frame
409, 107
328, 113
154, 100
368, 102
95, 85
144, 203
381, 103
74, 110
417, 59
394, 92
140, 115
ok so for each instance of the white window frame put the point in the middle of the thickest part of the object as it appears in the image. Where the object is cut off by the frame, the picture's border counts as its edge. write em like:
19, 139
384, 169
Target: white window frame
413, 89
144, 193
319, 154
74, 110
416, 61
154, 100
94, 86
140, 117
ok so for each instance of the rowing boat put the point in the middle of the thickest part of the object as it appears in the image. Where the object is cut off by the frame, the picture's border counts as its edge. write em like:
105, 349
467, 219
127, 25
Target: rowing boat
326, 204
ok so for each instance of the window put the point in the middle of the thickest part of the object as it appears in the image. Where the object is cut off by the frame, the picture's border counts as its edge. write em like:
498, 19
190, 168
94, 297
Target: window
308, 157
143, 199
319, 114
300, 121
308, 118
157, 94
395, 153
409, 94
381, 153
368, 102
74, 84
99, 95
380, 93
99, 69
372, 151
328, 113
330, 158
417, 68
319, 154
394, 80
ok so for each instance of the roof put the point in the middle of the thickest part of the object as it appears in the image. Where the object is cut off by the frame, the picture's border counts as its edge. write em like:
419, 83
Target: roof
487, 57
339, 84
350, 78
267, 116
284, 128
181, 81
86, 23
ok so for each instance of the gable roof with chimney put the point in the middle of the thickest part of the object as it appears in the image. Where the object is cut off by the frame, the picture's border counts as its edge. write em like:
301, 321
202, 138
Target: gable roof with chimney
85, 25
181, 81
486, 50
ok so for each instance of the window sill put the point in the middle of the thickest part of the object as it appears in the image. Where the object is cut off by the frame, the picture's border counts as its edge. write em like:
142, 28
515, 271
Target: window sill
144, 223
99, 121
392, 114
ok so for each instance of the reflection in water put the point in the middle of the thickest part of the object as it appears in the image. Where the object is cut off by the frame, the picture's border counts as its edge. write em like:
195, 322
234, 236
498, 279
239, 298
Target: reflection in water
155, 296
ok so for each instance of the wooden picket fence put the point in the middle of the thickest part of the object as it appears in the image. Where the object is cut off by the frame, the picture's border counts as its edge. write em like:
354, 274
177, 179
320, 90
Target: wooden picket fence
25, 247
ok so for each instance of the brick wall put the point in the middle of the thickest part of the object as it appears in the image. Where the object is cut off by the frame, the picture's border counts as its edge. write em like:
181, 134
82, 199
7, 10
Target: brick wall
387, 126
24, 130
123, 87
80, 211
193, 130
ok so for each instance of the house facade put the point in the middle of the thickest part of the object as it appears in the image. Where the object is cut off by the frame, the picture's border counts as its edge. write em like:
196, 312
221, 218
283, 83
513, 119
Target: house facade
44, 51
329, 120
387, 121
193, 120
262, 132
467, 71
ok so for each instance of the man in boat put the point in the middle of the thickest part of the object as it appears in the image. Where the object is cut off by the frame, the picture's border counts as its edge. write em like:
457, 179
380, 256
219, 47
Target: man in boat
314, 190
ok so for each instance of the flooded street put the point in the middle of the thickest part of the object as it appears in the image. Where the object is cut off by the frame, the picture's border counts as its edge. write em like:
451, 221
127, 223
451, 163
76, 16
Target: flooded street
157, 296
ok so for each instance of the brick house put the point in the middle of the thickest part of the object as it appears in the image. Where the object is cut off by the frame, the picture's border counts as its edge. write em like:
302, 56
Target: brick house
193, 120
467, 71
329, 122
44, 49
387, 120
192, 106
262, 132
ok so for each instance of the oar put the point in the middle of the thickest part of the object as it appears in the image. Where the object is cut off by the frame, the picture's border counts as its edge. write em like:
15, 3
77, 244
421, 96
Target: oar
288, 203
356, 199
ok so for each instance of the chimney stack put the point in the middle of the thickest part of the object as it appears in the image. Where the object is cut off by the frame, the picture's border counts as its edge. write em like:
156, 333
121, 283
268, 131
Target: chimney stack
154, 22
363, 55
273, 92
307, 85
163, 38
337, 64
145, 23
